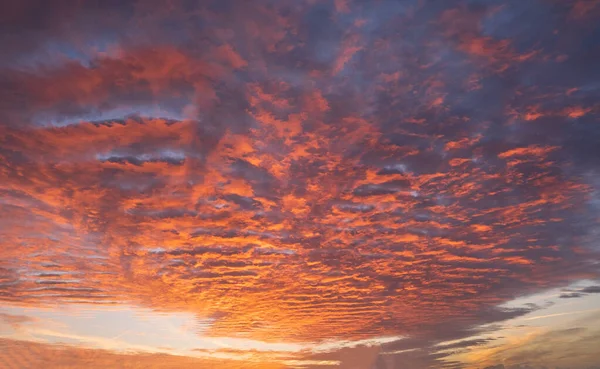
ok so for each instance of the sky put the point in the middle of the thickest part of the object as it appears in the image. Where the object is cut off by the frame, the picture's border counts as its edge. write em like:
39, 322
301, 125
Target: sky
354, 184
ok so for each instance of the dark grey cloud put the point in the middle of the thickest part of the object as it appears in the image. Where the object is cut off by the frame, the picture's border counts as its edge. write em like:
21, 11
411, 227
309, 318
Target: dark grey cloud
591, 289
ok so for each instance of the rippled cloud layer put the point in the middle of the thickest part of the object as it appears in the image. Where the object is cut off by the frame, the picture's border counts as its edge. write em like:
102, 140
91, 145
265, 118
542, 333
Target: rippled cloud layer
313, 173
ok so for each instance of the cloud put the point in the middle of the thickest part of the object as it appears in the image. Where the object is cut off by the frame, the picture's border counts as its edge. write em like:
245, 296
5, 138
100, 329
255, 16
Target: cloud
570, 295
580, 292
22, 354
591, 289
304, 171
561, 347
15, 321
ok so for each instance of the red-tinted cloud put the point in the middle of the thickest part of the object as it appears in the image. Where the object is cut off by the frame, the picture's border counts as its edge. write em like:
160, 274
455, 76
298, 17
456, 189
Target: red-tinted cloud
300, 171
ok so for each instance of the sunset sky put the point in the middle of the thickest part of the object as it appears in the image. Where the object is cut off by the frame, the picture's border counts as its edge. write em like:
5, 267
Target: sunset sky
354, 184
